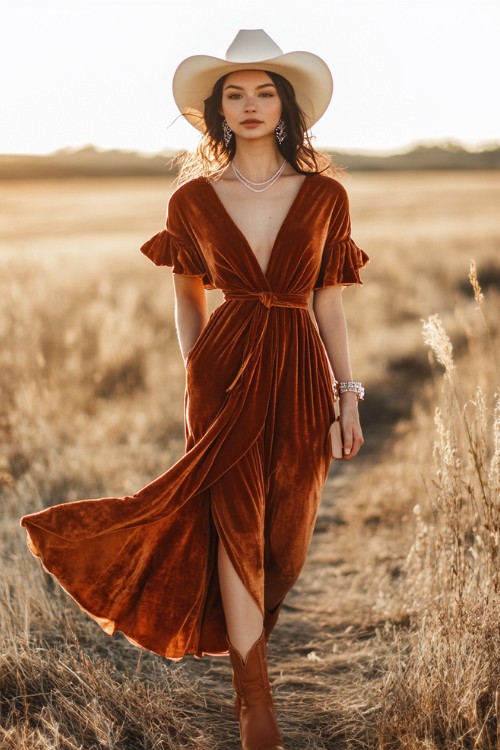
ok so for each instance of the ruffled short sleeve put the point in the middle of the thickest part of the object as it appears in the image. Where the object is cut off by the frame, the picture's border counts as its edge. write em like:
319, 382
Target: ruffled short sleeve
173, 247
342, 259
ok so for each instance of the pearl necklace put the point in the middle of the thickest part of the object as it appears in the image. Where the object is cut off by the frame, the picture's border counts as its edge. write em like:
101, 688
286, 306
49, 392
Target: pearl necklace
248, 183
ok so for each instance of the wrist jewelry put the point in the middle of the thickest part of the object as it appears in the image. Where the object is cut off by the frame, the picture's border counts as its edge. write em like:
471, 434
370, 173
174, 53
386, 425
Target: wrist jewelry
353, 386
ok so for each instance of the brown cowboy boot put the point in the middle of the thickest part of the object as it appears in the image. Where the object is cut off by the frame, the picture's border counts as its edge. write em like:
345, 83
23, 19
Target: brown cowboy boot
254, 701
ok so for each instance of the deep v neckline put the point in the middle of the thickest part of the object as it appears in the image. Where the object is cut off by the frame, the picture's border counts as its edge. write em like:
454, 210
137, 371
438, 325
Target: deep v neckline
246, 243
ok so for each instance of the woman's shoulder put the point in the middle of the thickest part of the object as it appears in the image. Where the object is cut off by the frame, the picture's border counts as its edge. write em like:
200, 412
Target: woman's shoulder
187, 190
329, 184
324, 187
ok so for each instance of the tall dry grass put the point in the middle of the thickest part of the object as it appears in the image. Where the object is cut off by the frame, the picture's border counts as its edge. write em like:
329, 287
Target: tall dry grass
442, 688
84, 409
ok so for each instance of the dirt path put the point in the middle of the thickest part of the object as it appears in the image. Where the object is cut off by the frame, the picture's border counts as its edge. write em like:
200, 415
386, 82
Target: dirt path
323, 649
323, 653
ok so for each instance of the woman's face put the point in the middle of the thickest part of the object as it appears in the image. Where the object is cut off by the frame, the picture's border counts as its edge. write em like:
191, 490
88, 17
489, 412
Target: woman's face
250, 104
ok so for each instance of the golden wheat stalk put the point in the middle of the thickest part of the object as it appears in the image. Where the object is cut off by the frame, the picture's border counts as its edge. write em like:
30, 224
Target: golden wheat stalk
474, 281
436, 337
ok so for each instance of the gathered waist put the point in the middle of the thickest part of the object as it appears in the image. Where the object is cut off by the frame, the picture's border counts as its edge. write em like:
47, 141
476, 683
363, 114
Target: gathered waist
258, 324
271, 299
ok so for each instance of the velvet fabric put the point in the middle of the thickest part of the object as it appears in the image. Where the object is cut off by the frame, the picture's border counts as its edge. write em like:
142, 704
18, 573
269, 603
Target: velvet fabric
258, 407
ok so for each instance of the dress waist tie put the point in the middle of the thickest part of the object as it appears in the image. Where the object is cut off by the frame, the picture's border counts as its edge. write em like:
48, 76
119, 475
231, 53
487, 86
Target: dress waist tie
268, 299
271, 299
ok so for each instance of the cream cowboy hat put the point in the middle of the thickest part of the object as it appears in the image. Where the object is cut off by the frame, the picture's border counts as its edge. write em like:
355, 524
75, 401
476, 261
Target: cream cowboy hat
309, 75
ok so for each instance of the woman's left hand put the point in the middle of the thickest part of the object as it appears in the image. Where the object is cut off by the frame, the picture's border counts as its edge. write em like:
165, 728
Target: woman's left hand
352, 435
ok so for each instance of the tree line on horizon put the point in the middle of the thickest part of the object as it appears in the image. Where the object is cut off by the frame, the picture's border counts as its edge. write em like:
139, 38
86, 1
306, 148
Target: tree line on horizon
92, 162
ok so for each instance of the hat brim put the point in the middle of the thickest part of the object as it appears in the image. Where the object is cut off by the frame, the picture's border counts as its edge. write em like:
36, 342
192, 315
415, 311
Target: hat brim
309, 75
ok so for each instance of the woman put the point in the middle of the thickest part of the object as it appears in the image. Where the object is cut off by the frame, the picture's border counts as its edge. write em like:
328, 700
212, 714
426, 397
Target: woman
200, 560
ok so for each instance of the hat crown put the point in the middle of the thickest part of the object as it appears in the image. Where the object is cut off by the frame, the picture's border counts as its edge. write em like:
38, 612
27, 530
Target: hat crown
252, 45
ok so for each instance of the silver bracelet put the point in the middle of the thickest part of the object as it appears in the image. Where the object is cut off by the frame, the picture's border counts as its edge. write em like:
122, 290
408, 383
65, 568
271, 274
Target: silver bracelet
353, 386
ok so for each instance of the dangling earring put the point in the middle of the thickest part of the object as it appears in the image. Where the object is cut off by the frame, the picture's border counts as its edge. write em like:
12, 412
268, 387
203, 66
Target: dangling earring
280, 131
228, 133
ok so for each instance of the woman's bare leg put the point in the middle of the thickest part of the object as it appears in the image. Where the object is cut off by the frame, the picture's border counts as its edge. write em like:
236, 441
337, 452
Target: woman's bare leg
244, 620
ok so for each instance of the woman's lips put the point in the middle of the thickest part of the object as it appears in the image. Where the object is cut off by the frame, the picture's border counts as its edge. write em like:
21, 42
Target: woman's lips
251, 123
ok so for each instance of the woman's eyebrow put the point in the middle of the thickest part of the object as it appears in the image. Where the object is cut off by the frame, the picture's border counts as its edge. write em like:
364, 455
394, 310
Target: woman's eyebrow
233, 86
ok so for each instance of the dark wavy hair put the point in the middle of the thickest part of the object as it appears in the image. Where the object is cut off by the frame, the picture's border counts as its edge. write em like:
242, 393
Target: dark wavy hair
212, 155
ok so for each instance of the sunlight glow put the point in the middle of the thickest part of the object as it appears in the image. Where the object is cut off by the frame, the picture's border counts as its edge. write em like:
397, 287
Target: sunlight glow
88, 72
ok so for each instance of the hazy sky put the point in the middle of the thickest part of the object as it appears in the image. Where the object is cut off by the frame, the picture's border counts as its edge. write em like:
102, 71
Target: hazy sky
75, 72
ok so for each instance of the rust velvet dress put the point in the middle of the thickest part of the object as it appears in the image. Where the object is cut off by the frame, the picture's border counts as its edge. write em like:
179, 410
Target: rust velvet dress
258, 407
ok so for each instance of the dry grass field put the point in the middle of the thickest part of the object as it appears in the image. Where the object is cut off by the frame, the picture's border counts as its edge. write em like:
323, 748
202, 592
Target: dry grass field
390, 640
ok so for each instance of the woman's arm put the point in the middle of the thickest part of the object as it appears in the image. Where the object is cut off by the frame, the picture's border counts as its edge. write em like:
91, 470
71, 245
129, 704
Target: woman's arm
329, 314
190, 310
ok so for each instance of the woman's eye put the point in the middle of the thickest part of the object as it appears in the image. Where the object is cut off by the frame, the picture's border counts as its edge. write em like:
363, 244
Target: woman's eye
266, 94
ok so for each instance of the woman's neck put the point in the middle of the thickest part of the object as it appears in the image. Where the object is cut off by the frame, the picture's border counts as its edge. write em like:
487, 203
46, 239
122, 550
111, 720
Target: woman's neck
258, 160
